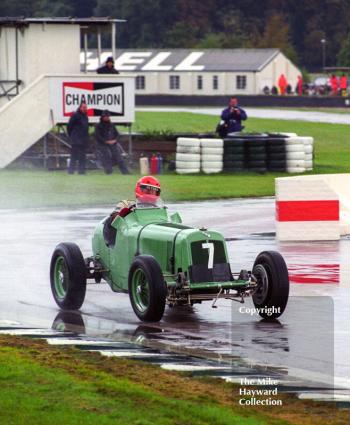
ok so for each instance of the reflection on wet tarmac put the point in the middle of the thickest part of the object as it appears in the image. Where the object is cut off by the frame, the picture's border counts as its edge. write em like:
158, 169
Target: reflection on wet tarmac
314, 273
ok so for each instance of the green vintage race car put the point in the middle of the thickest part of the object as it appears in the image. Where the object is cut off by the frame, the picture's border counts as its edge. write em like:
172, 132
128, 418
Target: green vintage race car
158, 260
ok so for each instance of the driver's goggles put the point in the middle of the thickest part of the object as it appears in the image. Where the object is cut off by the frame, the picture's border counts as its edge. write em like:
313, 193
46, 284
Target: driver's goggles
150, 189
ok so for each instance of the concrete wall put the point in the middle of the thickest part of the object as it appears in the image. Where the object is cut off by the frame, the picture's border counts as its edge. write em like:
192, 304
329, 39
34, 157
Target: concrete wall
17, 135
7, 54
49, 49
253, 101
42, 49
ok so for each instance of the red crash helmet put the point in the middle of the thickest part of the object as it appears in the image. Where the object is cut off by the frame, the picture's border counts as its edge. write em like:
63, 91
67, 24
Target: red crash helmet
147, 190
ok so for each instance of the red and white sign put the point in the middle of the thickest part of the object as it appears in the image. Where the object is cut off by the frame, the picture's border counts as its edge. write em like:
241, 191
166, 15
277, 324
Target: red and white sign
95, 95
115, 94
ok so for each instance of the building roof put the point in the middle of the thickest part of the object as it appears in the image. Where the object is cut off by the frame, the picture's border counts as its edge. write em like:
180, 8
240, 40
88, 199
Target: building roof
217, 60
21, 21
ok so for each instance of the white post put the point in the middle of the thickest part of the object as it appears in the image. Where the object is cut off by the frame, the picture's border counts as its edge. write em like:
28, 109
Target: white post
85, 50
113, 39
99, 49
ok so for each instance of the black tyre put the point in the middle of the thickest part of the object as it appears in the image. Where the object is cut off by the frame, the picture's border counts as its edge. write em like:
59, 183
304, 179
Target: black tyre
234, 150
234, 164
276, 149
256, 143
256, 157
277, 164
68, 276
147, 289
252, 150
259, 170
249, 136
233, 157
234, 141
277, 170
277, 156
279, 137
256, 164
233, 169
271, 295
280, 143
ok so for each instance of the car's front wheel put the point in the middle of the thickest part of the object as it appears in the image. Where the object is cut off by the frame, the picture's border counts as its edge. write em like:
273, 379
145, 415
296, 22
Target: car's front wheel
271, 294
147, 289
68, 276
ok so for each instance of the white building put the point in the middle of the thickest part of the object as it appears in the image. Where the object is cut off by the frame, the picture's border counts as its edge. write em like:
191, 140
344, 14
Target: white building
202, 71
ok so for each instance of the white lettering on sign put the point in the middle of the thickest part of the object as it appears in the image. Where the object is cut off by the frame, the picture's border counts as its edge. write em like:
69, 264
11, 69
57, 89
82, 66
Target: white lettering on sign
210, 247
91, 62
188, 63
110, 98
155, 63
131, 61
128, 61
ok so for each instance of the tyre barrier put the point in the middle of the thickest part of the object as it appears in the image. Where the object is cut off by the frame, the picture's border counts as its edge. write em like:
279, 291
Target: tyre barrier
188, 155
212, 155
277, 152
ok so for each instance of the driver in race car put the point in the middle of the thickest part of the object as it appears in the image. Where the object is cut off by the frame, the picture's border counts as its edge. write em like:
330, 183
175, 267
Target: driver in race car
147, 193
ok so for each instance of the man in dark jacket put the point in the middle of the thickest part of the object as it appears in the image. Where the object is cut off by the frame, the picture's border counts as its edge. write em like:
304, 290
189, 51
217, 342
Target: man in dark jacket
107, 144
233, 116
78, 132
108, 68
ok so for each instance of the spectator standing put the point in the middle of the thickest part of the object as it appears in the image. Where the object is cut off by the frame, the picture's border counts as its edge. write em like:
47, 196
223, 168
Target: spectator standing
233, 116
107, 144
78, 132
282, 84
108, 68
300, 85
343, 85
334, 84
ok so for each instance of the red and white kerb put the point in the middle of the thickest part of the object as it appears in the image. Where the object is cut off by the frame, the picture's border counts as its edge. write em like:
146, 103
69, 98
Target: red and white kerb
306, 210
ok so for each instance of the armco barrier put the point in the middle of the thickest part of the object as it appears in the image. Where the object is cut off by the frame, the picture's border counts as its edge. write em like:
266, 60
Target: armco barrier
313, 207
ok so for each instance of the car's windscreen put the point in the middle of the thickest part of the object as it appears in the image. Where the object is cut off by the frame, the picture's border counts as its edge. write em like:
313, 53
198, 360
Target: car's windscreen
157, 202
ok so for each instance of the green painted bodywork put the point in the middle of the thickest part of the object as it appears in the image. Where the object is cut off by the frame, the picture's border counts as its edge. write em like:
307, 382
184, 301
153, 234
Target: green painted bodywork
152, 231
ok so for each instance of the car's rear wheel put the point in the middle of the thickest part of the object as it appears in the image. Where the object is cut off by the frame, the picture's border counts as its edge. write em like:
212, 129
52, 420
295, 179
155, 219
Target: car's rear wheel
68, 276
147, 289
271, 295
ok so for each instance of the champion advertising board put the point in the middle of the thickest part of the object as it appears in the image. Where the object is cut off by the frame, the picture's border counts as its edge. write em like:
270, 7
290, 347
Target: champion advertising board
117, 94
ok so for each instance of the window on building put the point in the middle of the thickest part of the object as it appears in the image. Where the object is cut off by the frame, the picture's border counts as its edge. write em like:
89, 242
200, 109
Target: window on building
200, 82
215, 82
241, 82
174, 82
140, 82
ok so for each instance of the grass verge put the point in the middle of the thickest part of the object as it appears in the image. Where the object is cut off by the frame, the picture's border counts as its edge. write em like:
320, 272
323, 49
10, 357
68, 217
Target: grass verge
19, 188
42, 384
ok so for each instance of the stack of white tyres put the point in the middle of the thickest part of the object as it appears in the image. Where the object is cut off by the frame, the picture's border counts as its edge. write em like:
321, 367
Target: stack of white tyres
188, 155
309, 152
299, 153
212, 155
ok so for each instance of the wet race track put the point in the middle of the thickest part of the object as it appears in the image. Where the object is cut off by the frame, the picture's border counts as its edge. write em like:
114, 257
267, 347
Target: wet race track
298, 347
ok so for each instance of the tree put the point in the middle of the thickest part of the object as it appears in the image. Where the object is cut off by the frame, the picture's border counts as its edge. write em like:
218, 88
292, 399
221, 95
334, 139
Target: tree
276, 34
83, 8
344, 54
